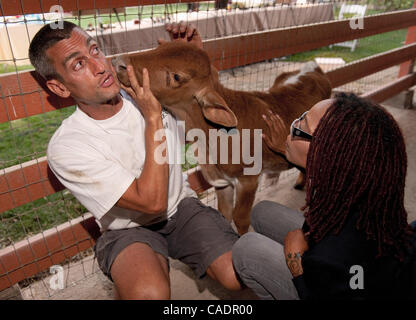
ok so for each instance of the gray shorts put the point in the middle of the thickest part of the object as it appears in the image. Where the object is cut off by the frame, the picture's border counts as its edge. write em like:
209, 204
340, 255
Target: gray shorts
196, 235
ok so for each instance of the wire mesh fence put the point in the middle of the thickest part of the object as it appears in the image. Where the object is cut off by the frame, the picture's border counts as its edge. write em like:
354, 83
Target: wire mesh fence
133, 27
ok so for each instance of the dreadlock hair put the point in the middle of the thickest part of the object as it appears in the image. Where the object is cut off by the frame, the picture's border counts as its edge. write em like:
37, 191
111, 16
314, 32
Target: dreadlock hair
357, 161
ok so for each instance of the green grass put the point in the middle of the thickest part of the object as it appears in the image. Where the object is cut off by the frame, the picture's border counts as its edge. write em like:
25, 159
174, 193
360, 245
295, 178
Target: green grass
6, 68
26, 139
365, 48
37, 216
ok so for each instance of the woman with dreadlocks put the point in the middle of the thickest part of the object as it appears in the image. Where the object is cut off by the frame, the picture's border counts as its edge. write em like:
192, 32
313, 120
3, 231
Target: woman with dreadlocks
353, 240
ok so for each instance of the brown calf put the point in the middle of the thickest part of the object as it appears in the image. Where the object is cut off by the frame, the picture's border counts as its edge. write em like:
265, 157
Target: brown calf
185, 83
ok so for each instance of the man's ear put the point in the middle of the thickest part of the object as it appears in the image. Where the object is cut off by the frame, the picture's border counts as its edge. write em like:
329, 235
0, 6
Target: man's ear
215, 109
58, 88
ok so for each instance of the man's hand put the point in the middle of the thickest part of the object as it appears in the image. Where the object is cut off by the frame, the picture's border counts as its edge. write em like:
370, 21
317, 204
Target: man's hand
146, 101
183, 32
295, 246
277, 137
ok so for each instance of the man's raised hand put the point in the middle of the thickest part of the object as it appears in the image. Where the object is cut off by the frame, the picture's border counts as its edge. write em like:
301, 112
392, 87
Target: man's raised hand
146, 101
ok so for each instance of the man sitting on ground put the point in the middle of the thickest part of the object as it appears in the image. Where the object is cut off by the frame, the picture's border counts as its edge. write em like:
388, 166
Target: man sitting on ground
104, 154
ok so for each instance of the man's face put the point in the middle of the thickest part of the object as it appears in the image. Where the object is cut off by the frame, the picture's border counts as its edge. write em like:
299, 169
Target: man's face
86, 74
297, 148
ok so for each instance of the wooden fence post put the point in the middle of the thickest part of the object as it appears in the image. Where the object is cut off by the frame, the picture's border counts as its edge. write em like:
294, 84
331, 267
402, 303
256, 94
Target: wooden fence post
407, 67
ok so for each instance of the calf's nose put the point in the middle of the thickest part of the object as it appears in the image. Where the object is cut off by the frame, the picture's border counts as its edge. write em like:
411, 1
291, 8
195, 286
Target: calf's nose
119, 64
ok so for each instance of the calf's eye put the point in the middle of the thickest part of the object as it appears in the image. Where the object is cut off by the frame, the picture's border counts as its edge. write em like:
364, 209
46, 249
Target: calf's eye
176, 77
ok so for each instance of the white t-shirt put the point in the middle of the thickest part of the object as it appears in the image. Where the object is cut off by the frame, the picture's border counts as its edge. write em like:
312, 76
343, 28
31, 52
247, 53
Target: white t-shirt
97, 160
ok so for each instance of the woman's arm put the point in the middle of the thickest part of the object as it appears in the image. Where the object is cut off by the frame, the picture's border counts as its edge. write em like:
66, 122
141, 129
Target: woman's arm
321, 271
294, 247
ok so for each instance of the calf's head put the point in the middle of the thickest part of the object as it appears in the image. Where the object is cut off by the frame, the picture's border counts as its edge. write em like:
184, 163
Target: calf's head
182, 79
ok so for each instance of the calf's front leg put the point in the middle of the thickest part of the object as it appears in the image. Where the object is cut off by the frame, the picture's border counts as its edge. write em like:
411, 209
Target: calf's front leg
245, 193
225, 197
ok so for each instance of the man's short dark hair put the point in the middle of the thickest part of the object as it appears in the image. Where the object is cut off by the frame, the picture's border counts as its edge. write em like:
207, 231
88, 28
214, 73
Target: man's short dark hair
42, 41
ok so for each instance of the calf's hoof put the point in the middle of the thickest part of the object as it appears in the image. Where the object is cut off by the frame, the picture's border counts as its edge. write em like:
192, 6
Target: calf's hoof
300, 182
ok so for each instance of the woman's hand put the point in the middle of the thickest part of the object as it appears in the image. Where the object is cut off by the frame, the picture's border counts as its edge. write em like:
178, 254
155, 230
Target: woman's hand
146, 101
276, 138
295, 246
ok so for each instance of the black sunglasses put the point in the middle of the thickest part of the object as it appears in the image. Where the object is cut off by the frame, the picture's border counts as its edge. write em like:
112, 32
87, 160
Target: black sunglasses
297, 132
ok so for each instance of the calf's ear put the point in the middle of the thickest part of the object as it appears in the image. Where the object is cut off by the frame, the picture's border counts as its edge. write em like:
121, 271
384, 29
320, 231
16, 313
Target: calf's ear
215, 109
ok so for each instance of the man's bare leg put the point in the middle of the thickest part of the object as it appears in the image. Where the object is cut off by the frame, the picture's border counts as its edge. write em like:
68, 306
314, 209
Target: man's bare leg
222, 270
140, 273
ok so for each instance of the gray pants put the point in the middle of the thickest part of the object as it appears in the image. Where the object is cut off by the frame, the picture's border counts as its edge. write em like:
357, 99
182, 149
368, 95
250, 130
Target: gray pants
258, 257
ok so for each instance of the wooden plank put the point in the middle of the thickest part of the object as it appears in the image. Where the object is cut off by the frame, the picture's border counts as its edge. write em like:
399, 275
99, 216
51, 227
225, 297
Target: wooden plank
19, 7
364, 67
29, 257
407, 67
390, 90
25, 183
233, 51
23, 94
